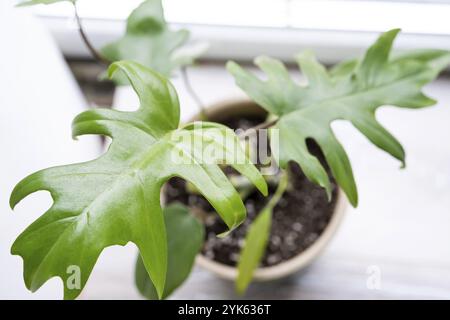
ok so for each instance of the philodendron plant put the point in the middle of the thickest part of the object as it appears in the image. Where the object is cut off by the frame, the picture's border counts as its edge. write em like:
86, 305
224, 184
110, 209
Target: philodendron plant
115, 199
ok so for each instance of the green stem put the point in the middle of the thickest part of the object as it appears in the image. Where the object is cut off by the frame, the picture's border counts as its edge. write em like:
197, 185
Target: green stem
264, 125
282, 187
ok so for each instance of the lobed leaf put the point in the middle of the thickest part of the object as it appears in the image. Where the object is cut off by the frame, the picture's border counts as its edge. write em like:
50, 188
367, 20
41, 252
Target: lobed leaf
149, 41
351, 91
115, 199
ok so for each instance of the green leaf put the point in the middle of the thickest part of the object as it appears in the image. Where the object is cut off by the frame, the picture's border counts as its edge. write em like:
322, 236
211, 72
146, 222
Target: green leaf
34, 2
257, 238
149, 41
116, 198
351, 91
185, 235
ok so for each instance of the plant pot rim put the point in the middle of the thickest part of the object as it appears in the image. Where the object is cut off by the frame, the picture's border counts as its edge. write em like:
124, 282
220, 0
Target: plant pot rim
301, 260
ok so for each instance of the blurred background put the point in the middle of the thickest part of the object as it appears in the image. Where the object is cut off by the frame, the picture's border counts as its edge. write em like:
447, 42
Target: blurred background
399, 234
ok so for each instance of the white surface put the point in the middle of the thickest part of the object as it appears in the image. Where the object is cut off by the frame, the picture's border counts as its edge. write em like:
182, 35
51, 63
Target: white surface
401, 227
38, 100
400, 231
211, 83
237, 29
419, 17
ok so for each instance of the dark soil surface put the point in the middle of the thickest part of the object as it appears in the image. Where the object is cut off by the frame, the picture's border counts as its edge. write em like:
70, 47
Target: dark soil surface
298, 220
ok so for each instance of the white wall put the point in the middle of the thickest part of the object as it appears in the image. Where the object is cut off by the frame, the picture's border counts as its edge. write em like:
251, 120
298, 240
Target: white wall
38, 99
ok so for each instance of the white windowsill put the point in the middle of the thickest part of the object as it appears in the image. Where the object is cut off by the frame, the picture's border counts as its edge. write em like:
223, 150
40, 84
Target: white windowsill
239, 29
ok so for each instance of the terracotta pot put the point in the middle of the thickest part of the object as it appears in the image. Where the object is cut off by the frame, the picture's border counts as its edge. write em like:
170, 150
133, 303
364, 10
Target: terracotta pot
222, 111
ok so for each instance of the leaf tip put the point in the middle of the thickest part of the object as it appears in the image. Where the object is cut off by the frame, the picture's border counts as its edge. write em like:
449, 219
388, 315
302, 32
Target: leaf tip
324, 182
15, 196
12, 203
353, 200
160, 292
74, 135
329, 193
403, 162
305, 54
390, 35
224, 234
231, 66
261, 59
429, 101
14, 251
112, 69
261, 185
395, 31
264, 189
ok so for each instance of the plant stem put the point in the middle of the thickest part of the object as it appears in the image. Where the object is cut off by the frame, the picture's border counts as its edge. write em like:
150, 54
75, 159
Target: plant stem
97, 55
192, 93
282, 187
264, 125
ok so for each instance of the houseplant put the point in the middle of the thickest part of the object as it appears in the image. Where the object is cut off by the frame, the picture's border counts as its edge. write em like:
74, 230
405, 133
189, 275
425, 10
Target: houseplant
89, 204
